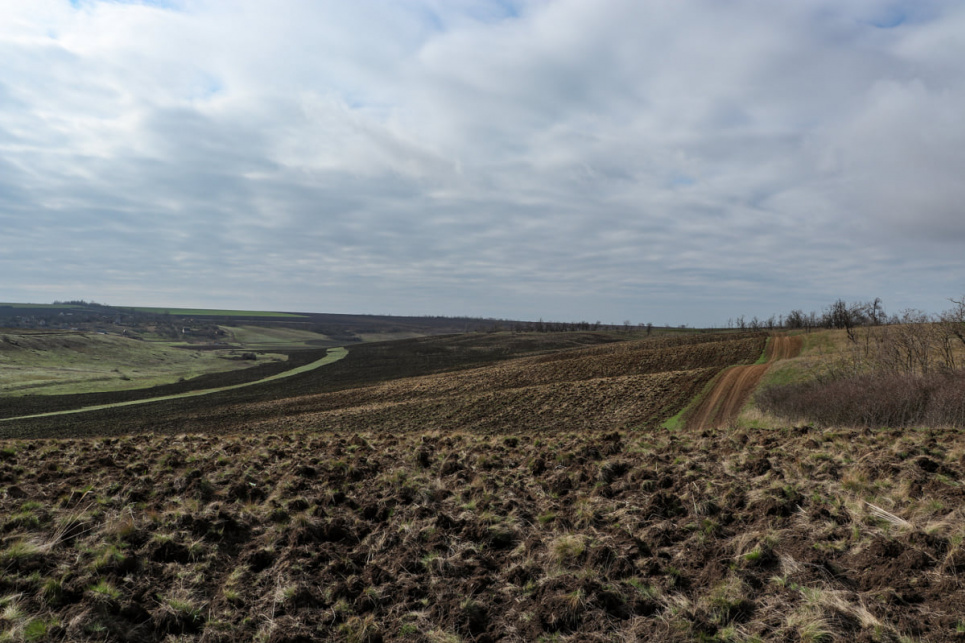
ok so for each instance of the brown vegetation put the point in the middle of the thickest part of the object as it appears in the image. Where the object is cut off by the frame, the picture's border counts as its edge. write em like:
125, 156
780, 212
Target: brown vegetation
426, 493
784, 535
902, 374
878, 400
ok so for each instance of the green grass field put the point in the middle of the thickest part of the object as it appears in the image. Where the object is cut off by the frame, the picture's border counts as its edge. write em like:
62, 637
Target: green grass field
67, 362
266, 338
334, 354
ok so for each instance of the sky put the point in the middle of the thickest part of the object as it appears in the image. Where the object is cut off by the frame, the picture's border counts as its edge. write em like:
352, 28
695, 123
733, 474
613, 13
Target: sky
663, 161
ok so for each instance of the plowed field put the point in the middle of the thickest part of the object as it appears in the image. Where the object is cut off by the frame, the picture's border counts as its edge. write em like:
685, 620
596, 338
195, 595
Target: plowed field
443, 492
463, 383
449, 536
617, 386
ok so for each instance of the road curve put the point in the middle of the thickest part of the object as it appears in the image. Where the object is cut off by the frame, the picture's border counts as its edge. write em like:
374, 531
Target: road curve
333, 355
724, 402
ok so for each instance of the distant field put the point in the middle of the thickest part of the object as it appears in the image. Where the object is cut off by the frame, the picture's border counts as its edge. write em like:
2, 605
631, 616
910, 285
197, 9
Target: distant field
263, 337
59, 363
207, 312
388, 337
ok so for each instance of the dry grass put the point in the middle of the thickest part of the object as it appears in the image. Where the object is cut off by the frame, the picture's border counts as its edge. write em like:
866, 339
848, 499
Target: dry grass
748, 535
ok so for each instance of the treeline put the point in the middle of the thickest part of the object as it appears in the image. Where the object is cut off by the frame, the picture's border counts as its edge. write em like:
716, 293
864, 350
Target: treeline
872, 313
79, 302
564, 327
840, 314
912, 342
898, 370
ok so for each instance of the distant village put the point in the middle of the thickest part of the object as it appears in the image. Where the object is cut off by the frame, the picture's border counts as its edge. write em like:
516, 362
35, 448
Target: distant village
92, 317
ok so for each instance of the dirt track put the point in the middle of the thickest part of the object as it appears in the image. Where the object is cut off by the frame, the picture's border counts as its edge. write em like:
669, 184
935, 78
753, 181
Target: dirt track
730, 393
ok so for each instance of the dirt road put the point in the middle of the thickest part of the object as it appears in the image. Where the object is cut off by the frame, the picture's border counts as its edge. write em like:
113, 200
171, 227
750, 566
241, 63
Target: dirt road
730, 393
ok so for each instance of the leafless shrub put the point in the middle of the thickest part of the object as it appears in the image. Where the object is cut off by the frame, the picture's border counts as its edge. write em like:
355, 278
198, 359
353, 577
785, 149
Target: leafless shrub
913, 343
876, 399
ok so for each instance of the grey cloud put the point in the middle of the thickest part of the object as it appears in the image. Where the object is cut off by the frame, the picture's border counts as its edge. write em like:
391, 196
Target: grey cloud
570, 159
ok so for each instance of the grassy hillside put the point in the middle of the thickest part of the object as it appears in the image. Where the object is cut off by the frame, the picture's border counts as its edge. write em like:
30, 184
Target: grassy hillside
57, 363
894, 375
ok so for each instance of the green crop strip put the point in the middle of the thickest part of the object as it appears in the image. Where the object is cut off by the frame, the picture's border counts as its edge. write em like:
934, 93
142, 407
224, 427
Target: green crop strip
763, 358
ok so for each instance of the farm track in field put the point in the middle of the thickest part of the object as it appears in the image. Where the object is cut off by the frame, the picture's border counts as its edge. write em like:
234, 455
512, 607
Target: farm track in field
723, 403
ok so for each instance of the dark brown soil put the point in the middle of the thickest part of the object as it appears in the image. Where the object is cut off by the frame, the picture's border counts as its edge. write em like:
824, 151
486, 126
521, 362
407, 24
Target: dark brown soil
455, 536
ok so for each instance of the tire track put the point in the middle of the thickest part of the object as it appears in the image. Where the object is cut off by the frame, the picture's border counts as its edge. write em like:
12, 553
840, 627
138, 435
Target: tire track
724, 402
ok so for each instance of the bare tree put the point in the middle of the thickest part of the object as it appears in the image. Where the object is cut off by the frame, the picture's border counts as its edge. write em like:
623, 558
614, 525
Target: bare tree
795, 319
840, 315
877, 312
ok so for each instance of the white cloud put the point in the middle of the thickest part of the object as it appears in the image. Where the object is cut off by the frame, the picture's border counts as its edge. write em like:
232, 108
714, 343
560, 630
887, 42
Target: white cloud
566, 159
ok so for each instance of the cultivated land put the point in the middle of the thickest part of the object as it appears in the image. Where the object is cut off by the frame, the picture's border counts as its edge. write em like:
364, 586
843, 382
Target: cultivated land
477, 487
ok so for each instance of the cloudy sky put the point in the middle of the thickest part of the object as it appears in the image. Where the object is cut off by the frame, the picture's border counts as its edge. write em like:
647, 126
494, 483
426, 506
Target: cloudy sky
670, 161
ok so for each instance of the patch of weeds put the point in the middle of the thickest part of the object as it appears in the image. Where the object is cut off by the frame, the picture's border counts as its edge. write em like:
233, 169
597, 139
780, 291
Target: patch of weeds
361, 629
20, 550
52, 592
185, 613
567, 549
431, 561
104, 591
645, 589
196, 550
727, 602
546, 518
111, 557
231, 595
40, 629
584, 513
11, 609
408, 629
756, 556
